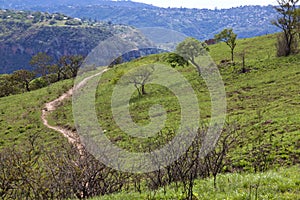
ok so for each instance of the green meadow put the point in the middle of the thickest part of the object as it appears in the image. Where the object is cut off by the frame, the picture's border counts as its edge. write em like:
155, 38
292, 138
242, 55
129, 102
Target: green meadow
263, 103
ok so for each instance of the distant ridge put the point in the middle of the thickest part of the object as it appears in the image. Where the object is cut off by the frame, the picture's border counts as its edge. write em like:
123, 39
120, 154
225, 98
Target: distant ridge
247, 21
26, 33
28, 4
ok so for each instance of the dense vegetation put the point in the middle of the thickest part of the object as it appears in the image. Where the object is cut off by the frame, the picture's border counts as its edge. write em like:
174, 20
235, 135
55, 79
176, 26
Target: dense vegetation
45, 72
248, 21
24, 34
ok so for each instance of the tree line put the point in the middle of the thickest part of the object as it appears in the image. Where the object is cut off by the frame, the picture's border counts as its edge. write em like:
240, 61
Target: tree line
45, 70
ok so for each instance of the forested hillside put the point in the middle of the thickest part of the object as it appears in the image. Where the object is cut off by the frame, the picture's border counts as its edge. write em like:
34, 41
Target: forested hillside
247, 21
24, 34
23, 4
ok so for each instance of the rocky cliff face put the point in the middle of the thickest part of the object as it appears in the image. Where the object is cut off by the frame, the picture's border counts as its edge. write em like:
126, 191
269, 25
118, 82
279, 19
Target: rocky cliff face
20, 39
16, 52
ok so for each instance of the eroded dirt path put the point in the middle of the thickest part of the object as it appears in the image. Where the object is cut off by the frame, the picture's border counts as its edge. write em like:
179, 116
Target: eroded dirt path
49, 107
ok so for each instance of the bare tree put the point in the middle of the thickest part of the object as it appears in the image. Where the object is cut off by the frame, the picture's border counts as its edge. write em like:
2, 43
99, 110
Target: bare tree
31, 172
287, 22
215, 160
82, 175
140, 77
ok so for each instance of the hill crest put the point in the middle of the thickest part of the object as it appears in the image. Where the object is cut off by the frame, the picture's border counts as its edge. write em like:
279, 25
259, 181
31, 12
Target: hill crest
247, 21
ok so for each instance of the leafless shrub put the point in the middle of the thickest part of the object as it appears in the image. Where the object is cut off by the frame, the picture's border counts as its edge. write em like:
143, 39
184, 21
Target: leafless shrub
35, 173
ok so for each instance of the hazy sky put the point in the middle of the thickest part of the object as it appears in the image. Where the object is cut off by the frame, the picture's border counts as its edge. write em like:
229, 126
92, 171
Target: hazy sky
206, 3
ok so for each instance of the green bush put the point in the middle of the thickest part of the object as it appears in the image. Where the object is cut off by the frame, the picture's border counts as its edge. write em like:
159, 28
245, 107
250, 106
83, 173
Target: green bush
73, 22
52, 22
38, 83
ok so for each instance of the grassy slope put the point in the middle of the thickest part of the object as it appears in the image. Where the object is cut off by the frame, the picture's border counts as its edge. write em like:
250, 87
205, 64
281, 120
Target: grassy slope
256, 49
264, 101
20, 116
275, 184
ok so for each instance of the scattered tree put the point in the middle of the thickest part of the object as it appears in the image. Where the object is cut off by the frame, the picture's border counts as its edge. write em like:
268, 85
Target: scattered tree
287, 22
24, 80
117, 61
140, 77
24, 77
58, 70
41, 63
70, 63
229, 37
192, 48
7, 85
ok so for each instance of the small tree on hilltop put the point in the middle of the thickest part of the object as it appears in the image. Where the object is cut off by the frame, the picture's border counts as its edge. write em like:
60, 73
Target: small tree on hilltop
288, 21
140, 77
190, 49
229, 37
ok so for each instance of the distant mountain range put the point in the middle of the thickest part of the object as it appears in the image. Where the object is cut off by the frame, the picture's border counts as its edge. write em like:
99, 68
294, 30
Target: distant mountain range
25, 4
247, 21
26, 33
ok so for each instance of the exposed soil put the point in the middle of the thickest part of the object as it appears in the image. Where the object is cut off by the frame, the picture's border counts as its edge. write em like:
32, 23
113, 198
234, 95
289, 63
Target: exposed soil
72, 136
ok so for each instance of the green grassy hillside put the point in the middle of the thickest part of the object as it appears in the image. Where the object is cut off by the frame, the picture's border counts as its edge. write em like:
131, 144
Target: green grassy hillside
264, 102
263, 105
282, 184
256, 49
20, 116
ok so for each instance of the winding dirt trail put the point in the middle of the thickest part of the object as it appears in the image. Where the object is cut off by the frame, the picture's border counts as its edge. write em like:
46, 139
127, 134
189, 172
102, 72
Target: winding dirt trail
49, 107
